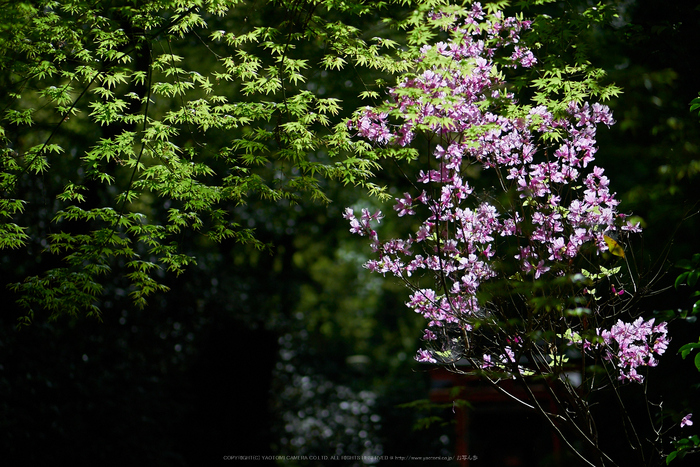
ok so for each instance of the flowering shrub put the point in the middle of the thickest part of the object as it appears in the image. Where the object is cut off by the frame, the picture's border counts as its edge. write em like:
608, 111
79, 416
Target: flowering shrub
516, 278
556, 209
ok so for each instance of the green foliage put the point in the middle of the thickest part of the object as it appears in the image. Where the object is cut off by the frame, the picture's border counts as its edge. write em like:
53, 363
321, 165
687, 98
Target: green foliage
695, 105
131, 123
683, 447
690, 277
686, 349
692, 271
566, 73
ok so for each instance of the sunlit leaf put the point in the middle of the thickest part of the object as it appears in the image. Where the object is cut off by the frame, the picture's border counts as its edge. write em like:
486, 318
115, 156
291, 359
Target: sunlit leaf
614, 247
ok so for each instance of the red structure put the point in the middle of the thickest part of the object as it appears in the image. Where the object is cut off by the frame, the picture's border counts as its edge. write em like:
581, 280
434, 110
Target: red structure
493, 429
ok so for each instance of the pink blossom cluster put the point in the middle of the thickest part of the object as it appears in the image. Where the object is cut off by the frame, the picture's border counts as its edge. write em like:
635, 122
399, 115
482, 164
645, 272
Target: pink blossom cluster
451, 92
562, 204
634, 345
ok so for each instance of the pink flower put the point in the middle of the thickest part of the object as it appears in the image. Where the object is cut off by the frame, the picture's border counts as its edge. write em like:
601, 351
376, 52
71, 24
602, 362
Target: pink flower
429, 335
540, 269
424, 356
686, 420
404, 205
